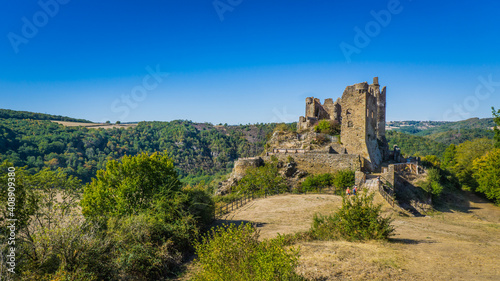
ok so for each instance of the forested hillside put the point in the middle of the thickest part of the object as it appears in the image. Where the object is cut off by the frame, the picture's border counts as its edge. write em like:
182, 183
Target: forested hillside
415, 145
198, 150
7, 113
432, 137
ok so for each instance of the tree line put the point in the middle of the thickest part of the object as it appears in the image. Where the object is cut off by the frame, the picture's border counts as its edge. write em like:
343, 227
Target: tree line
198, 150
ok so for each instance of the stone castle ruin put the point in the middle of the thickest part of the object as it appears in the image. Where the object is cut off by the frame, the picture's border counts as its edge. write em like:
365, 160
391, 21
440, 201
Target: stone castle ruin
361, 113
362, 146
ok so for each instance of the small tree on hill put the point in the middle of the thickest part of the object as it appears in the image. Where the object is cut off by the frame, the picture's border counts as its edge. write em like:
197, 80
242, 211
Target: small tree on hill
129, 187
357, 219
496, 115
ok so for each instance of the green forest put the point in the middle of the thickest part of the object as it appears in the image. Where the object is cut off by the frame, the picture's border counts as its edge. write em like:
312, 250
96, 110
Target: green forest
199, 151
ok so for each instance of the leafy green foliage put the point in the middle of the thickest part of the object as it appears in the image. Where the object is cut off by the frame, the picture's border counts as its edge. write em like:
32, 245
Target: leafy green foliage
433, 183
130, 186
150, 220
7, 113
486, 172
199, 150
330, 127
340, 180
51, 235
465, 154
461, 135
496, 119
264, 179
234, 253
449, 156
357, 219
343, 179
317, 181
414, 145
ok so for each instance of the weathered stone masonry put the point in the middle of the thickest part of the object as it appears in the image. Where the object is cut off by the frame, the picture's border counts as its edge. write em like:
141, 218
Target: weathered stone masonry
361, 112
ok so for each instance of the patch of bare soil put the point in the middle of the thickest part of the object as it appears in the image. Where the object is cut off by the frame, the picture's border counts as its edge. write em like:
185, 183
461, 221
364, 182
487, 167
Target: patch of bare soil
451, 245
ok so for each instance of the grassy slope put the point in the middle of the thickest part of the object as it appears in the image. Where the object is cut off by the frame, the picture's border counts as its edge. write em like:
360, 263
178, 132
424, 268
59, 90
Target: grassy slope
445, 246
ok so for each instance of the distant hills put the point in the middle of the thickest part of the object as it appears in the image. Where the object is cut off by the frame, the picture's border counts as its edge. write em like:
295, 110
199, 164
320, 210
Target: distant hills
432, 137
8, 113
425, 128
200, 150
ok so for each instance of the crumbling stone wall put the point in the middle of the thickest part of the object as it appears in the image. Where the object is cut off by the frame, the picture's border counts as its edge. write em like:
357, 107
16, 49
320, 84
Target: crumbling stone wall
316, 163
242, 164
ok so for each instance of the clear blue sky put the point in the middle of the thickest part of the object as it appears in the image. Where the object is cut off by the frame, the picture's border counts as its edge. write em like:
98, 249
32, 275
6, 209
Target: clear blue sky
246, 61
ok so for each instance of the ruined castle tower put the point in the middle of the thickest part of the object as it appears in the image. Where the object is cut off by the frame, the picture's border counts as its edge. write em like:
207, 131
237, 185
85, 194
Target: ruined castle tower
361, 112
363, 123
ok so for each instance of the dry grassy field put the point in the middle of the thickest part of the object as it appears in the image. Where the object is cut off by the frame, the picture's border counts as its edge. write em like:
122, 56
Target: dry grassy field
94, 125
448, 245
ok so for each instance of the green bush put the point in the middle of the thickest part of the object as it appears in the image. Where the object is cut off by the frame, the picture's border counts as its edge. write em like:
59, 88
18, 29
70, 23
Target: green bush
487, 169
264, 179
317, 181
357, 219
150, 219
145, 246
234, 253
330, 127
432, 185
344, 179
340, 180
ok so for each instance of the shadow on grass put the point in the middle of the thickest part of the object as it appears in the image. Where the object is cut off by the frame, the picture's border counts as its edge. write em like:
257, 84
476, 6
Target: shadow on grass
224, 222
410, 241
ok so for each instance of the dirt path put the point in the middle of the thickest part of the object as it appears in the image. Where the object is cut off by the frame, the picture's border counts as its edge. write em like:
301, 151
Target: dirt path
445, 246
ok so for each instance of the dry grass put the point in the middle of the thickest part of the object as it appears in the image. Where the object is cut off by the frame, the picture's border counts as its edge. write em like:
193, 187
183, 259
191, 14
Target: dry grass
449, 245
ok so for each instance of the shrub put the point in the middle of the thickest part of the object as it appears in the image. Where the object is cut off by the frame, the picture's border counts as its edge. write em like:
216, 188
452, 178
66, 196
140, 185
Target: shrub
234, 253
150, 219
330, 127
357, 219
432, 185
129, 186
317, 181
260, 180
145, 246
487, 169
340, 180
344, 179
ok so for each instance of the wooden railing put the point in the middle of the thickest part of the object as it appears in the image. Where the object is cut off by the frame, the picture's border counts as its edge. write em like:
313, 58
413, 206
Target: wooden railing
387, 191
224, 209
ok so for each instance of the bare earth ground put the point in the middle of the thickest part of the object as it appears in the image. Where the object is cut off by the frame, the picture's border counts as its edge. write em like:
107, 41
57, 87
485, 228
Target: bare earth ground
449, 245
94, 125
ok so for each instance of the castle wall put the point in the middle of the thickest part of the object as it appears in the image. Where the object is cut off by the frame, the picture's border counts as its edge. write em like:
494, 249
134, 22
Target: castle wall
354, 119
361, 112
317, 163
242, 164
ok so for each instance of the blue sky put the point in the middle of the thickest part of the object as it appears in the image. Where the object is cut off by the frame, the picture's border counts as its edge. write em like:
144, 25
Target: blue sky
246, 61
